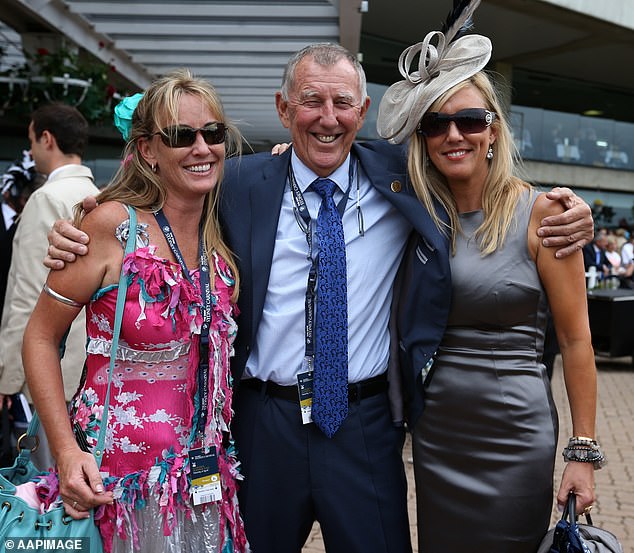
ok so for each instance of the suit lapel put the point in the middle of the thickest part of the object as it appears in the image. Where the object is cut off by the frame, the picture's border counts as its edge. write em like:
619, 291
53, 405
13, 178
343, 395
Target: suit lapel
382, 172
266, 202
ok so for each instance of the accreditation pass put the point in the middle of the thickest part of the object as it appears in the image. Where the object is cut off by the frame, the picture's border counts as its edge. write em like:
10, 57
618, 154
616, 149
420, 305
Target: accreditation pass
305, 391
204, 474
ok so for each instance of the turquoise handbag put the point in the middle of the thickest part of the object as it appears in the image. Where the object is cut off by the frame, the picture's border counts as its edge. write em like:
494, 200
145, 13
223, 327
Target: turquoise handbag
23, 527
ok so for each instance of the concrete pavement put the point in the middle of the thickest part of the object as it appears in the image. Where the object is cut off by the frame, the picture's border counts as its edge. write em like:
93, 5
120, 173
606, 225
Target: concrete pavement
614, 509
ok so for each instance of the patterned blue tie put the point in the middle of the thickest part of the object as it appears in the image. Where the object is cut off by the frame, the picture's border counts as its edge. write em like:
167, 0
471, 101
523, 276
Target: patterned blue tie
330, 378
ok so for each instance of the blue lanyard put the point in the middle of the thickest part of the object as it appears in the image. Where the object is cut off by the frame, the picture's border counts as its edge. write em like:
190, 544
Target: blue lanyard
202, 393
303, 218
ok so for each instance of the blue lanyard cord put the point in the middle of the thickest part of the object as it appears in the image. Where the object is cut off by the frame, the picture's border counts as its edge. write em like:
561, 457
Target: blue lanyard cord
304, 221
202, 392
302, 215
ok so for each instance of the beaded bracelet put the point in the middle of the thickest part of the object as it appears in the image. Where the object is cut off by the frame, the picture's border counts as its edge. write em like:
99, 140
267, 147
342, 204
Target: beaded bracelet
584, 450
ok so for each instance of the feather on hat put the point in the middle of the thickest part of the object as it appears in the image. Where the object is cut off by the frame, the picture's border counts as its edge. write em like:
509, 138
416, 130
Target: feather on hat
440, 67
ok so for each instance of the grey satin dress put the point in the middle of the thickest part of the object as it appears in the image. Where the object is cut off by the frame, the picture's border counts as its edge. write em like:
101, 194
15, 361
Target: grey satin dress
484, 448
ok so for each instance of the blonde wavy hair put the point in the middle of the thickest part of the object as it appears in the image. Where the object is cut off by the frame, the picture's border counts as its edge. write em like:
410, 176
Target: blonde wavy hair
501, 189
137, 185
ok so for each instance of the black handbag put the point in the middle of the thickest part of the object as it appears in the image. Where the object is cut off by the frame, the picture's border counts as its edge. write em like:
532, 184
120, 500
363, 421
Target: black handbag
569, 536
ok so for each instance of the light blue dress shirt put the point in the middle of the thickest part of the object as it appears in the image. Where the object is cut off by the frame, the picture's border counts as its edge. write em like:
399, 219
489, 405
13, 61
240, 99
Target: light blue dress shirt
372, 262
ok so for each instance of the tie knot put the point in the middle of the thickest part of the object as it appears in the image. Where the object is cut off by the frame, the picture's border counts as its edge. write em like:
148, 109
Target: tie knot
324, 187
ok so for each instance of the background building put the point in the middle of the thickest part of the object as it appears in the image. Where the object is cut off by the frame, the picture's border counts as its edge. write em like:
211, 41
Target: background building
566, 65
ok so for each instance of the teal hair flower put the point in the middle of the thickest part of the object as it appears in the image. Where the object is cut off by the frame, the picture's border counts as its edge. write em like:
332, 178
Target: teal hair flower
123, 114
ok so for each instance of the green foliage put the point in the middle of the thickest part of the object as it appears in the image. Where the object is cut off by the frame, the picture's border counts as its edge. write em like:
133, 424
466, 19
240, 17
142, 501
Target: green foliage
59, 76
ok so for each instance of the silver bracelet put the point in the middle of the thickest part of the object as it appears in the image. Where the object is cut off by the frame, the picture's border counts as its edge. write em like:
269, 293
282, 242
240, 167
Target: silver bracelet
60, 298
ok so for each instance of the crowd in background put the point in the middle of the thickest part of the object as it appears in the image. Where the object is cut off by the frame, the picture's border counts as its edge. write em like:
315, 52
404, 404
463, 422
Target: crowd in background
609, 259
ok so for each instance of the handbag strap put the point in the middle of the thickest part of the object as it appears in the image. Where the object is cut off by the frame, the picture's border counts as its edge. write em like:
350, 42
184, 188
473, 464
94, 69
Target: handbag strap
570, 510
34, 425
121, 297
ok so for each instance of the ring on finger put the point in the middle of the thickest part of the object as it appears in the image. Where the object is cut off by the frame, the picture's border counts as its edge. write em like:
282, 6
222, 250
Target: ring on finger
74, 504
587, 509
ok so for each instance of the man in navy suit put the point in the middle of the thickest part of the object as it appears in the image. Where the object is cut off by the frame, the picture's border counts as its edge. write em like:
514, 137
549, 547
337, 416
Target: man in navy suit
354, 483
594, 255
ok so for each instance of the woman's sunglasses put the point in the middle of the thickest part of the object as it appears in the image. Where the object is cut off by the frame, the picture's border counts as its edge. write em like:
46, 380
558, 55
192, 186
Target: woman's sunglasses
182, 136
468, 121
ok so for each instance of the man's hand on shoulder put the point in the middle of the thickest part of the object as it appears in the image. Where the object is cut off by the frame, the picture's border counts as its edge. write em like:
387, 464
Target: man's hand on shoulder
65, 241
572, 229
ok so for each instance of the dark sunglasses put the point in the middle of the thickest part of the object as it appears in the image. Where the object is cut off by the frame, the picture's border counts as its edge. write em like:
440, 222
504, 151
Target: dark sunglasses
182, 136
468, 121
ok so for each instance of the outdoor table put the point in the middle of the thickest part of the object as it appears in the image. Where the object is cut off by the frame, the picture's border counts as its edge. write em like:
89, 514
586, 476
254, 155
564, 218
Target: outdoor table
611, 314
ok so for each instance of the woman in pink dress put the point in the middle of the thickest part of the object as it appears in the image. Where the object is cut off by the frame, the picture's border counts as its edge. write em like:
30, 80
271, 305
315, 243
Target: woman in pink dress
170, 400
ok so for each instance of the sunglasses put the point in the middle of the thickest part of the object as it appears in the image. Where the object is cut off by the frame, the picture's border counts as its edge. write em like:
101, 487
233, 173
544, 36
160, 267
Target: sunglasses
182, 136
468, 121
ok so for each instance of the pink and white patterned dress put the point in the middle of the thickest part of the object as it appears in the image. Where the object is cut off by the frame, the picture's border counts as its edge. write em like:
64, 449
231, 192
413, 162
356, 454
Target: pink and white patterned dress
152, 407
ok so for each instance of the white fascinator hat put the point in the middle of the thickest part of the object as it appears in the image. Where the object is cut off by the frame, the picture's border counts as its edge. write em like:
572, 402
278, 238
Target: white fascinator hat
444, 60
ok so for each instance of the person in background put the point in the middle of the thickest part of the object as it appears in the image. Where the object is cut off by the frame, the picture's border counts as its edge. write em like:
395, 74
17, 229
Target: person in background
350, 479
620, 235
170, 410
594, 255
18, 183
484, 446
612, 253
627, 261
627, 250
58, 134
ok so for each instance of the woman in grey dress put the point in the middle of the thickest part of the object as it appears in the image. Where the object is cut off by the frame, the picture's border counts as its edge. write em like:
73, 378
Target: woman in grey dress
484, 447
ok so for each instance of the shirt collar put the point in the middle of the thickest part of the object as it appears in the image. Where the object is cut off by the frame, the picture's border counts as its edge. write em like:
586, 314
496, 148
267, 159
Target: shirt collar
59, 169
305, 176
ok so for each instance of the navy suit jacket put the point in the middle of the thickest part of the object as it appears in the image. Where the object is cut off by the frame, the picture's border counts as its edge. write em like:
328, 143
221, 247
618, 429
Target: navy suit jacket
250, 202
590, 258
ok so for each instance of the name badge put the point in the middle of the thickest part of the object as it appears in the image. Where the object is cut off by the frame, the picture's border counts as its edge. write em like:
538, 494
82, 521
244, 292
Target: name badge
205, 476
305, 390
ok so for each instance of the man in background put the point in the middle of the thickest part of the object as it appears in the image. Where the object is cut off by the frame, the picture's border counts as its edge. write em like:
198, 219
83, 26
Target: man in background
58, 134
594, 255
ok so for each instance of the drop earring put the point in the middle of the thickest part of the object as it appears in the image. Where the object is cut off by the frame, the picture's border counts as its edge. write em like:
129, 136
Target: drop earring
154, 166
490, 152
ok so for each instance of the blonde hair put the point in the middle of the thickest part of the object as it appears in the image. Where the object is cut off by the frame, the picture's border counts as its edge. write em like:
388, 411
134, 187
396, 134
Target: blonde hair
501, 189
137, 185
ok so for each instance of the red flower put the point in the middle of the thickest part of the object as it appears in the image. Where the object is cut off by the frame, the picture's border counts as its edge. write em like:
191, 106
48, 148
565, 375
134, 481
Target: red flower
101, 44
110, 90
42, 52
